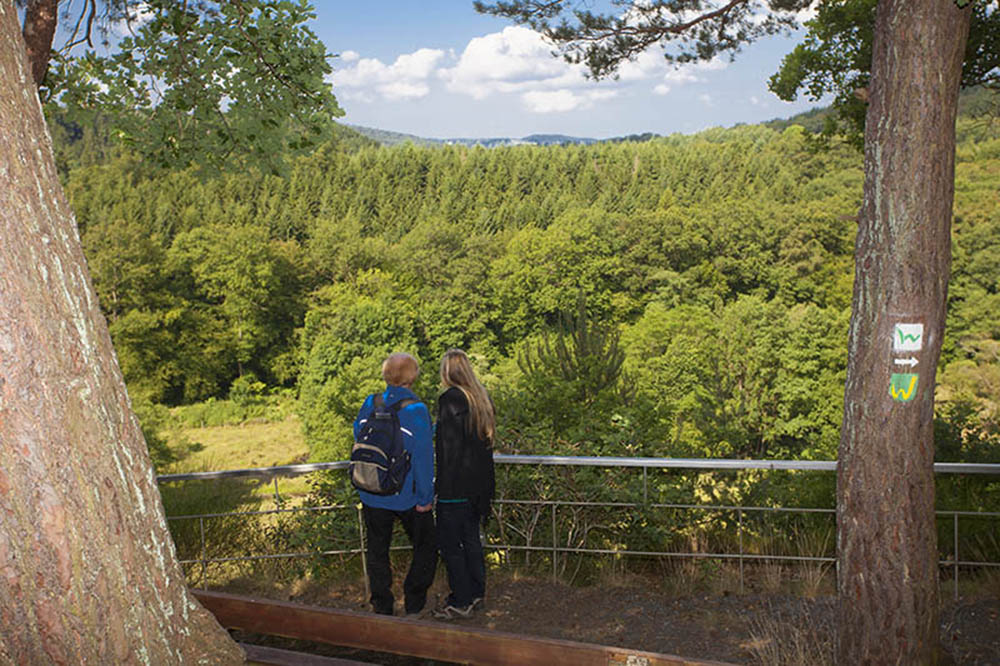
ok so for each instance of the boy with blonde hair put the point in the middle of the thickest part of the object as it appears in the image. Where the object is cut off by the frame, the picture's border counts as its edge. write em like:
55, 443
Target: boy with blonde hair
412, 504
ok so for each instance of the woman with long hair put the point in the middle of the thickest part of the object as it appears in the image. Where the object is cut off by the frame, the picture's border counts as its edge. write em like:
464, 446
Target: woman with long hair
463, 444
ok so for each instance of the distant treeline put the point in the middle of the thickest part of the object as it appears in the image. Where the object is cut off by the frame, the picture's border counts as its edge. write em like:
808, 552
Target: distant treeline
683, 296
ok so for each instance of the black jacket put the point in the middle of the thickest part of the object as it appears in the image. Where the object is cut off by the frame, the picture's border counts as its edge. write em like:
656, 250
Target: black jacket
464, 460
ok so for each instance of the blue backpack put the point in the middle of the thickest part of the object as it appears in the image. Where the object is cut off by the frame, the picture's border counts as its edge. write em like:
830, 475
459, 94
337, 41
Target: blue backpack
379, 462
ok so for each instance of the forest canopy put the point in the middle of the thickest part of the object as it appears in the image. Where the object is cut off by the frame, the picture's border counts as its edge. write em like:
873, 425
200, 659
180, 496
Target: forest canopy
719, 263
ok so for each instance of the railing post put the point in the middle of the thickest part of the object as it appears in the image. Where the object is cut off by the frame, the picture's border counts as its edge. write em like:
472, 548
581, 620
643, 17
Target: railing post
364, 554
645, 486
277, 497
739, 522
955, 552
555, 574
204, 555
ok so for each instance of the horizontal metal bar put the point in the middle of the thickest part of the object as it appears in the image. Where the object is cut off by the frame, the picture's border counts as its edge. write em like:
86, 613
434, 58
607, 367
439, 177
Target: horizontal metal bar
294, 509
585, 551
943, 513
275, 556
700, 507
585, 461
254, 472
671, 463
661, 553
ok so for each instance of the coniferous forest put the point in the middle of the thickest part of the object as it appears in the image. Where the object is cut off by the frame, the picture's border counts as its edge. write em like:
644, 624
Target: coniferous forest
684, 296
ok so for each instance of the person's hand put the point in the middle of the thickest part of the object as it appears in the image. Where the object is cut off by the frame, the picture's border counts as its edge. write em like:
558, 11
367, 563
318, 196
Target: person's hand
424, 508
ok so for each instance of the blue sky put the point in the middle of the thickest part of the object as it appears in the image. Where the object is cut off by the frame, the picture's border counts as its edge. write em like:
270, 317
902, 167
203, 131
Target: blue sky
436, 68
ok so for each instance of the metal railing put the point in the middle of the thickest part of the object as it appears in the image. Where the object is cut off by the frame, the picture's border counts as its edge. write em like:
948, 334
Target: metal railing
552, 506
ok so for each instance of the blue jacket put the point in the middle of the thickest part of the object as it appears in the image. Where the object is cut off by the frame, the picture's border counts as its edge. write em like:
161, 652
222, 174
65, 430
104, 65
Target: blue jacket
415, 420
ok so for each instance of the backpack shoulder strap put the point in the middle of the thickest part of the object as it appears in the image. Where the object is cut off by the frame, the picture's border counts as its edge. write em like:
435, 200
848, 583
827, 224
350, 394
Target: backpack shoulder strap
405, 402
377, 400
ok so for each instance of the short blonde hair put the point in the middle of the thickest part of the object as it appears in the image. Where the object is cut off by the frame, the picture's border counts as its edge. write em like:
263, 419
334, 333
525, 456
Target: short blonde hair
400, 369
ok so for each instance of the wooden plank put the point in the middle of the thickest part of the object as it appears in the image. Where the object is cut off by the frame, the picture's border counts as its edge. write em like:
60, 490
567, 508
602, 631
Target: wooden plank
259, 654
420, 638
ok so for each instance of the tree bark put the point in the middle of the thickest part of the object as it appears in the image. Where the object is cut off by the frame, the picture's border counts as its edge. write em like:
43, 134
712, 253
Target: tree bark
40, 19
886, 534
88, 572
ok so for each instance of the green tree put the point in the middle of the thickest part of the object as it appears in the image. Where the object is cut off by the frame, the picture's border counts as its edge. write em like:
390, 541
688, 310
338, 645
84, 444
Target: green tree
219, 84
349, 331
836, 55
234, 276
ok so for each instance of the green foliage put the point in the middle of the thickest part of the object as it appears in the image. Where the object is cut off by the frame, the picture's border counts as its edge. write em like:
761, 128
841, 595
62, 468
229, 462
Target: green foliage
835, 59
753, 380
220, 84
348, 333
575, 377
687, 29
249, 400
724, 259
334, 529
154, 419
221, 536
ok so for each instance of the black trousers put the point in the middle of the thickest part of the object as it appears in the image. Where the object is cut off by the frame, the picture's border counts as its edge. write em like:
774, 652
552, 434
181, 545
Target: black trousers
419, 527
462, 551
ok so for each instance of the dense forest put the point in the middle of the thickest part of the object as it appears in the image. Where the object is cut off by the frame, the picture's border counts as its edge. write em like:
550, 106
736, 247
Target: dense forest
681, 296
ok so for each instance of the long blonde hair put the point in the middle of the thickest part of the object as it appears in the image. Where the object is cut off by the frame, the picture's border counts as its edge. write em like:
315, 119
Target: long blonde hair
456, 371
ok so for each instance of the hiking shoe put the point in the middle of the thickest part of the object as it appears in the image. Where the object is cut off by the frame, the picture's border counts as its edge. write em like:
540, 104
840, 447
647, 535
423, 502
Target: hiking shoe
476, 603
418, 614
450, 612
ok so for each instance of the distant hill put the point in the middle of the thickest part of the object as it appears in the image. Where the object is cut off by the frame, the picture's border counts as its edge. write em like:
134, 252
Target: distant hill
811, 120
387, 138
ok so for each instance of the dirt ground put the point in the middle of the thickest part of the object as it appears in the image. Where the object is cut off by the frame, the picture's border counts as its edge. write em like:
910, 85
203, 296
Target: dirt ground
750, 628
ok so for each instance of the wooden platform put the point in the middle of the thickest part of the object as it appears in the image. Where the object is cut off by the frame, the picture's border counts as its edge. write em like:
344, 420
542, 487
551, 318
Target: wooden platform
258, 655
419, 638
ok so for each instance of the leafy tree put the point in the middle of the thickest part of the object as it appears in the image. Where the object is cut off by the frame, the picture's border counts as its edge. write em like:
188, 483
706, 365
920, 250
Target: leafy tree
543, 271
218, 84
835, 59
571, 386
348, 332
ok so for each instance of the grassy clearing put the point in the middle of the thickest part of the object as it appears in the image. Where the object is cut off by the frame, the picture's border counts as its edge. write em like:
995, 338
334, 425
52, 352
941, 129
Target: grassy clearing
250, 444
241, 446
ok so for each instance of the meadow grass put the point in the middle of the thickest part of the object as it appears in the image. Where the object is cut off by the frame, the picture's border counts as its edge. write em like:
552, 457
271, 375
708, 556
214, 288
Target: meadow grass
243, 446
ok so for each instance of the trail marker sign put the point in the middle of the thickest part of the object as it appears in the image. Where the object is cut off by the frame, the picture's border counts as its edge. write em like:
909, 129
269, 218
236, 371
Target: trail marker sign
908, 337
903, 386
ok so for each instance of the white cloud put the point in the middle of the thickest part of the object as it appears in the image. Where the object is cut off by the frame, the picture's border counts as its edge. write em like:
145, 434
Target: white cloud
561, 101
406, 78
673, 76
807, 14
554, 101
516, 60
520, 61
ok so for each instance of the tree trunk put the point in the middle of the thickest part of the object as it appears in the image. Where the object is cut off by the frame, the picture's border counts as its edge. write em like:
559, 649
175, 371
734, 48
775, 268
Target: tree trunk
88, 572
40, 19
886, 534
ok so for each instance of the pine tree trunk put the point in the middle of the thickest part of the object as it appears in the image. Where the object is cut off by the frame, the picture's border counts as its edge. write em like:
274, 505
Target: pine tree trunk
886, 535
88, 572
